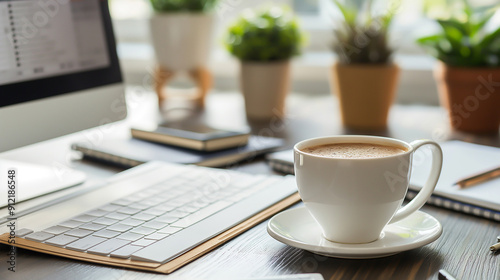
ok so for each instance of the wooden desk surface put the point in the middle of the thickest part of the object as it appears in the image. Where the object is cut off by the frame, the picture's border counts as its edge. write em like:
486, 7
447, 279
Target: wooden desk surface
462, 249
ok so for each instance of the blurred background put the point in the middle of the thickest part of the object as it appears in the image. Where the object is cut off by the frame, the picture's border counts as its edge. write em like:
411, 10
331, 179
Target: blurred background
310, 69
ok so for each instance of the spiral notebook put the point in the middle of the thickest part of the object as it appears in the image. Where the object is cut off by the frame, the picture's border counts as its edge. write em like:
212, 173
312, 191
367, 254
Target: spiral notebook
132, 152
461, 159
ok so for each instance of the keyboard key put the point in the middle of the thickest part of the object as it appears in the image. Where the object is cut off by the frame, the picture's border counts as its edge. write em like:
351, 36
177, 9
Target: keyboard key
154, 225
130, 236
154, 212
188, 208
97, 213
156, 236
132, 222
122, 202
184, 199
61, 240
166, 219
199, 203
128, 210
71, 224
202, 214
152, 201
170, 230
110, 207
84, 218
78, 232
142, 230
105, 221
125, 252
22, 232
39, 236
85, 243
143, 217
117, 216
164, 207
106, 247
139, 206
177, 214
119, 227
92, 226
144, 242
106, 233
56, 230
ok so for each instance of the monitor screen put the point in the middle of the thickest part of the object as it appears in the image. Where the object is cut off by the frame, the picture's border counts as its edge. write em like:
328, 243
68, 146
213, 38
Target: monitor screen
52, 47
59, 70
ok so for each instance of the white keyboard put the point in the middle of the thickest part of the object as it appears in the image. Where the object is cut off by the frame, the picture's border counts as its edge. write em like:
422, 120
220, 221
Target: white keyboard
168, 215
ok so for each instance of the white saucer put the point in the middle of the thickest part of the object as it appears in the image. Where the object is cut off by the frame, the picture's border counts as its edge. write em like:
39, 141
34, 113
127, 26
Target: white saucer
297, 228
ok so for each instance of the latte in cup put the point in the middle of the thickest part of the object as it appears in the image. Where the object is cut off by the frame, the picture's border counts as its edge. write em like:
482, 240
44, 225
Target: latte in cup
354, 185
354, 150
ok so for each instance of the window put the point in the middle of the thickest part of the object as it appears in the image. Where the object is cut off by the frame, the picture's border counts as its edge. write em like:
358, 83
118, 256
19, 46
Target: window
317, 18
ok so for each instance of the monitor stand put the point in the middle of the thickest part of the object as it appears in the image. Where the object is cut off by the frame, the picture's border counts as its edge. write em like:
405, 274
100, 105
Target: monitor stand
34, 180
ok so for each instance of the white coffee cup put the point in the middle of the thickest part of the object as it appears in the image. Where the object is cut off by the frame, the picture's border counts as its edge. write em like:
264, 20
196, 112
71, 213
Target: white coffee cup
353, 199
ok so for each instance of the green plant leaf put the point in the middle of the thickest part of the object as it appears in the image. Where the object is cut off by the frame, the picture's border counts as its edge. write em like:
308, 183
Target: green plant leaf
430, 39
464, 42
268, 35
481, 22
365, 41
453, 26
489, 39
350, 15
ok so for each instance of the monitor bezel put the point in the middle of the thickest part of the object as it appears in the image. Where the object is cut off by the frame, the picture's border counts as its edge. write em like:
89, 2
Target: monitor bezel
25, 91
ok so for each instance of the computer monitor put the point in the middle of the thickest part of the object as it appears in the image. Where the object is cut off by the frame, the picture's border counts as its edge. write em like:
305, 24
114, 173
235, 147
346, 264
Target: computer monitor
59, 70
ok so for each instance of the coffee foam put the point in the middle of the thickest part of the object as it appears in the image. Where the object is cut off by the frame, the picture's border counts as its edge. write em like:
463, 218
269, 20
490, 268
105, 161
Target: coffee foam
354, 150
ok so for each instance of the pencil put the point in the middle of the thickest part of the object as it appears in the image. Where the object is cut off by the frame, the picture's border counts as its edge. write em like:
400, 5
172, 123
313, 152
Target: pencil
495, 247
445, 275
478, 178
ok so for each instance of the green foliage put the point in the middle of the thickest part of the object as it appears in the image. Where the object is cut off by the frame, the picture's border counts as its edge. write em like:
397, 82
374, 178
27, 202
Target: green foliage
463, 40
267, 35
362, 36
183, 5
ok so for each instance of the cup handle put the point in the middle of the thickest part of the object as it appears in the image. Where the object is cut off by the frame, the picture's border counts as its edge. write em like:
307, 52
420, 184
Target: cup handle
426, 191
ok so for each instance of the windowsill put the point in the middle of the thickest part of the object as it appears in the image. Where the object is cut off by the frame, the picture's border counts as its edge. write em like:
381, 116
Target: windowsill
309, 72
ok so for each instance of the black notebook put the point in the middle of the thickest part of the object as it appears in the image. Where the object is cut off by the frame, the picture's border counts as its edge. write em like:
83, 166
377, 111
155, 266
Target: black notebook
131, 152
195, 136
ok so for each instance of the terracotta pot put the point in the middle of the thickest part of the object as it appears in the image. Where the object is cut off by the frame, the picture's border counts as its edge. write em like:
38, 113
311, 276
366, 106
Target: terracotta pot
471, 96
182, 40
365, 93
265, 87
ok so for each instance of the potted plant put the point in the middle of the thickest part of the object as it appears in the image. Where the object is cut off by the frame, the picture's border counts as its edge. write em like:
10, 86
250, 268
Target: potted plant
181, 33
468, 74
264, 41
364, 76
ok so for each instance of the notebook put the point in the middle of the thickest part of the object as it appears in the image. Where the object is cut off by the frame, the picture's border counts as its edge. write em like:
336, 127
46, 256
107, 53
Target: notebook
132, 152
460, 160
195, 136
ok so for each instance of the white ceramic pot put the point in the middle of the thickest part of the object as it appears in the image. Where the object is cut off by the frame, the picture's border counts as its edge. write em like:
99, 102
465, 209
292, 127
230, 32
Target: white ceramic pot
182, 40
265, 86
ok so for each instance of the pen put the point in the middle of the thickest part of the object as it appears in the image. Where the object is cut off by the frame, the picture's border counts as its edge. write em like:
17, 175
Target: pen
478, 178
445, 275
495, 247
